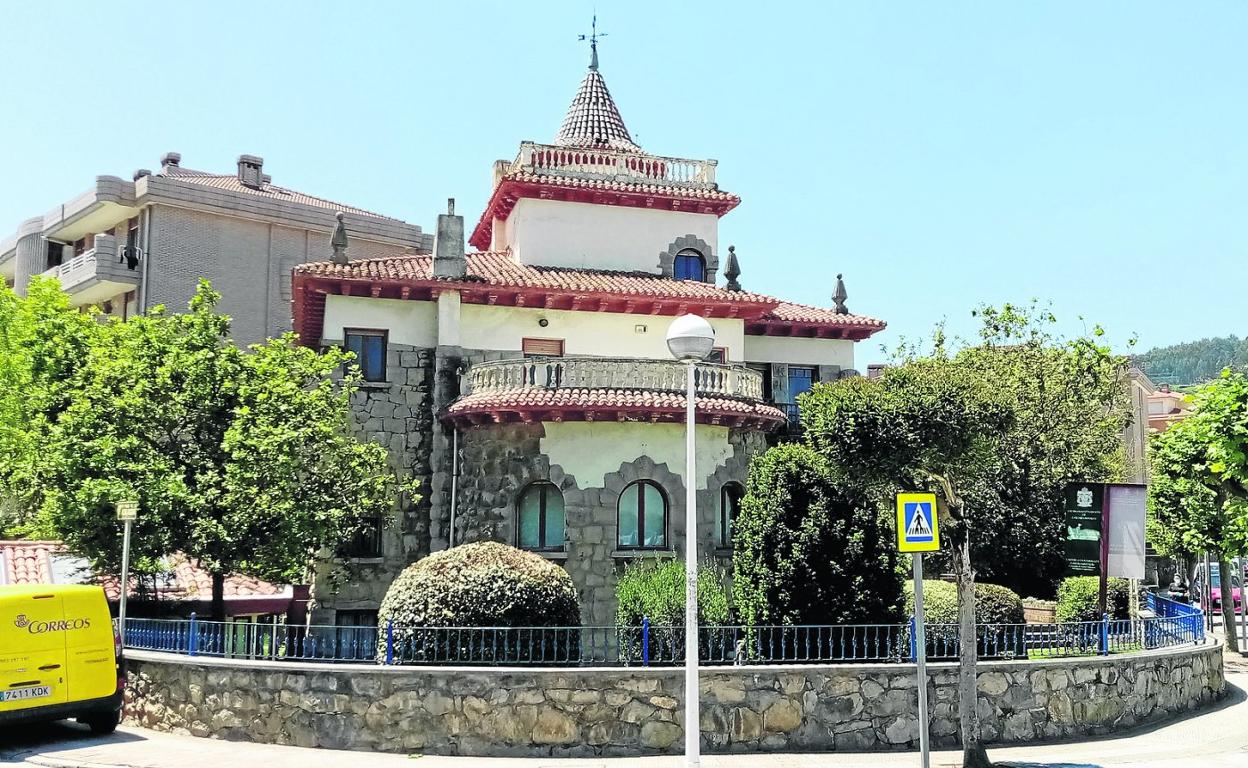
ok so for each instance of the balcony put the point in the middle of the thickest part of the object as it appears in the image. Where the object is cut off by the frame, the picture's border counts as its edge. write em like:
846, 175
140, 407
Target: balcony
100, 273
610, 389
548, 159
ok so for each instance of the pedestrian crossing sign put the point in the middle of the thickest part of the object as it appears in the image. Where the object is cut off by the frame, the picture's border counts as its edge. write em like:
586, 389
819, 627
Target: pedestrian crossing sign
917, 528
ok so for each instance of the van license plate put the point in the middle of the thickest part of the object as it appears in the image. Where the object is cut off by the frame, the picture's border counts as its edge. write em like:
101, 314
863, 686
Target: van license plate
22, 694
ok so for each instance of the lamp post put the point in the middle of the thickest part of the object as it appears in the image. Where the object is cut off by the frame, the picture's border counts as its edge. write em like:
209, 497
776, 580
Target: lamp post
690, 339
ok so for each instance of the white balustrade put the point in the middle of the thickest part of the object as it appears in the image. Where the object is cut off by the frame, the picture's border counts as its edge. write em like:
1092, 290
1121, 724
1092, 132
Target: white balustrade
711, 379
614, 165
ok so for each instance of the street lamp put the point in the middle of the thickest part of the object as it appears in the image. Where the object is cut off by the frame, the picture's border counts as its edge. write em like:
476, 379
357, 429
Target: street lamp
690, 339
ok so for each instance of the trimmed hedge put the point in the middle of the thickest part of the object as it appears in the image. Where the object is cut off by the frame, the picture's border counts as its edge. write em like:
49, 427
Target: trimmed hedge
485, 584
1078, 599
994, 604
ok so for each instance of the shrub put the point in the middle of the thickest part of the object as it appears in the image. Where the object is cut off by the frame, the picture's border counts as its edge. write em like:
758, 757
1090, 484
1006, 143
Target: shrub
993, 604
1078, 599
807, 550
656, 591
485, 584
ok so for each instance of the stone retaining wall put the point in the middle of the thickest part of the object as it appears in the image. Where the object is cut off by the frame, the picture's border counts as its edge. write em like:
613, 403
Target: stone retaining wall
628, 711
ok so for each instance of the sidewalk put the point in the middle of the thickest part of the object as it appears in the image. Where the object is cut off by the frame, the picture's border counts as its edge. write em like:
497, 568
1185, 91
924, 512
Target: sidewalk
1215, 739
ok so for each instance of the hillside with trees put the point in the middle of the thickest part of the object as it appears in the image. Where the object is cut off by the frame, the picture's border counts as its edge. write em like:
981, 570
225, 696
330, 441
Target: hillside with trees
1194, 362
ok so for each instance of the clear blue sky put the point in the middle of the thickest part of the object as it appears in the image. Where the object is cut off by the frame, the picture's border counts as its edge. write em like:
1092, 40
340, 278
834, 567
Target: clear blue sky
939, 154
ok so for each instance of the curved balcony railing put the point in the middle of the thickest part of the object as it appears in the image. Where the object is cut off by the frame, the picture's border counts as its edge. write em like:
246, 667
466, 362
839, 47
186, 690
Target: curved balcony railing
710, 379
615, 165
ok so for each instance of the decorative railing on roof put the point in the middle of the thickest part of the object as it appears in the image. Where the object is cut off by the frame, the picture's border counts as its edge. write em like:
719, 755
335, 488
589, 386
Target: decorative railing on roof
710, 379
614, 165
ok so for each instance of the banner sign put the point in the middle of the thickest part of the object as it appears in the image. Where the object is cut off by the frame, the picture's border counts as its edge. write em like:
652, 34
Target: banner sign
1127, 511
1084, 503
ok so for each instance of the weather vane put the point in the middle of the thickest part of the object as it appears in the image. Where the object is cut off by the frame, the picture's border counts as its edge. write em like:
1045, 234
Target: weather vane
592, 37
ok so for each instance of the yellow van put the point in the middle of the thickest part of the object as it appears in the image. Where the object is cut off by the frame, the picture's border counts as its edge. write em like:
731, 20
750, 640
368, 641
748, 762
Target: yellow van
59, 656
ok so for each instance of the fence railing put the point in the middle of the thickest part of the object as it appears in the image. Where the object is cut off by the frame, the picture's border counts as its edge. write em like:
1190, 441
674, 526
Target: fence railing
651, 644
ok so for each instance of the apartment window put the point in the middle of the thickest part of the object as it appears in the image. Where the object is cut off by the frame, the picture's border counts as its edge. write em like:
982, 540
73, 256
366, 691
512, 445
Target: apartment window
80, 246
801, 379
370, 352
367, 541
542, 347
729, 505
642, 517
689, 265
356, 634
541, 518
56, 254
130, 252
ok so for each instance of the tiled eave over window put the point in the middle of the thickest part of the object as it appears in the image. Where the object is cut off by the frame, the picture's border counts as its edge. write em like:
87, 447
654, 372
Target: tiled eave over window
494, 278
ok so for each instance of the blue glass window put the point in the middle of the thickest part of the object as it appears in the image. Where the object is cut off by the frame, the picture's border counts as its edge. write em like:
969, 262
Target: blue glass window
541, 517
689, 265
370, 352
642, 517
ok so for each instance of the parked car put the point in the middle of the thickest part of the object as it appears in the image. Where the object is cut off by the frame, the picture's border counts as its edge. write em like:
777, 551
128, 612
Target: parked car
1215, 587
60, 656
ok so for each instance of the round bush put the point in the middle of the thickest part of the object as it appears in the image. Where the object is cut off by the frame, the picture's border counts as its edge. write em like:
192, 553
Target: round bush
1079, 597
485, 584
994, 604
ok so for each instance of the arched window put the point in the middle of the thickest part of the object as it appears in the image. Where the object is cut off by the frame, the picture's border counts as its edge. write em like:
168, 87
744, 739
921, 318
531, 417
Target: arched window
642, 517
729, 505
541, 519
689, 265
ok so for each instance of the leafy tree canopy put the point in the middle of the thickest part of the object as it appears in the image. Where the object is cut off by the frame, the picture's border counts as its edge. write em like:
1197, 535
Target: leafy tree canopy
240, 459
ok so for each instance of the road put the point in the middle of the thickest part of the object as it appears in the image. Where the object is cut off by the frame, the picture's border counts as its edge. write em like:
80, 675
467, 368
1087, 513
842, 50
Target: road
1217, 738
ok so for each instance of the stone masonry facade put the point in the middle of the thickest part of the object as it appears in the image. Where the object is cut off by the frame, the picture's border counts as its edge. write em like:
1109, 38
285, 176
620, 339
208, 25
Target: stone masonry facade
497, 462
630, 711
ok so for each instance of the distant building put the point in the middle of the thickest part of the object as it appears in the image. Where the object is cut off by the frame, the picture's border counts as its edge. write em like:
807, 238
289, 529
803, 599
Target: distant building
1165, 407
126, 246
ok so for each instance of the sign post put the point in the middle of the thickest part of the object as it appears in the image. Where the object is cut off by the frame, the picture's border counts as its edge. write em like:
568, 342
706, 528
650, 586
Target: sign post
918, 531
127, 511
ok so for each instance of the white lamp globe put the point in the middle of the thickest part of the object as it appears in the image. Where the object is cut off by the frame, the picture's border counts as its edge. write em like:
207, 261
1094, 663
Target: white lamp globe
690, 337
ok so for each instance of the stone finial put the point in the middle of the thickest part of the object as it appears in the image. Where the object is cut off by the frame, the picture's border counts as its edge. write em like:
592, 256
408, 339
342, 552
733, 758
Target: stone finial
733, 270
339, 241
839, 297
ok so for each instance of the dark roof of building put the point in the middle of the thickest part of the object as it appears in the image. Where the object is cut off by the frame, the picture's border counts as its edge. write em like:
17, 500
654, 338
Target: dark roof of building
593, 121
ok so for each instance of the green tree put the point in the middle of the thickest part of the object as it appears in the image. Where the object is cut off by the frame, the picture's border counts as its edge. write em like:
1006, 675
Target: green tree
807, 551
995, 429
43, 344
1199, 493
928, 424
240, 459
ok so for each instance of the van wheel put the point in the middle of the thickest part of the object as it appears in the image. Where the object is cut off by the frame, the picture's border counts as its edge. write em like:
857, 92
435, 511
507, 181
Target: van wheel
104, 723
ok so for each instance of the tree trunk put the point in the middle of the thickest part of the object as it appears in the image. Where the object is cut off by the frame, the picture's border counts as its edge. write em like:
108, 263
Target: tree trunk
1228, 604
218, 597
973, 754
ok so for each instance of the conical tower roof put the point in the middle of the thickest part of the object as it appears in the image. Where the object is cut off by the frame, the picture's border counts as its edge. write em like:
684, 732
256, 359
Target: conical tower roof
592, 121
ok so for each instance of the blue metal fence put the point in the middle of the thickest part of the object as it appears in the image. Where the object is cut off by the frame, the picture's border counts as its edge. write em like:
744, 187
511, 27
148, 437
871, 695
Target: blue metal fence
658, 645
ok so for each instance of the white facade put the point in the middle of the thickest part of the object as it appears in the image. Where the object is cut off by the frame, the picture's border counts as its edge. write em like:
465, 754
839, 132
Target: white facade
557, 233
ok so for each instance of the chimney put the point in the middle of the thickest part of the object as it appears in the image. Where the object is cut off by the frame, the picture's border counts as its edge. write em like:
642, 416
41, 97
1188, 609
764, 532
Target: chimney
1164, 389
171, 159
250, 171
448, 245
140, 173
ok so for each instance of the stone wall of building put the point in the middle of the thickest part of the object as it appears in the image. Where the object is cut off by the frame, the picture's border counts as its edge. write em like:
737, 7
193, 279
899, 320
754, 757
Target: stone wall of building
398, 414
500, 461
629, 711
